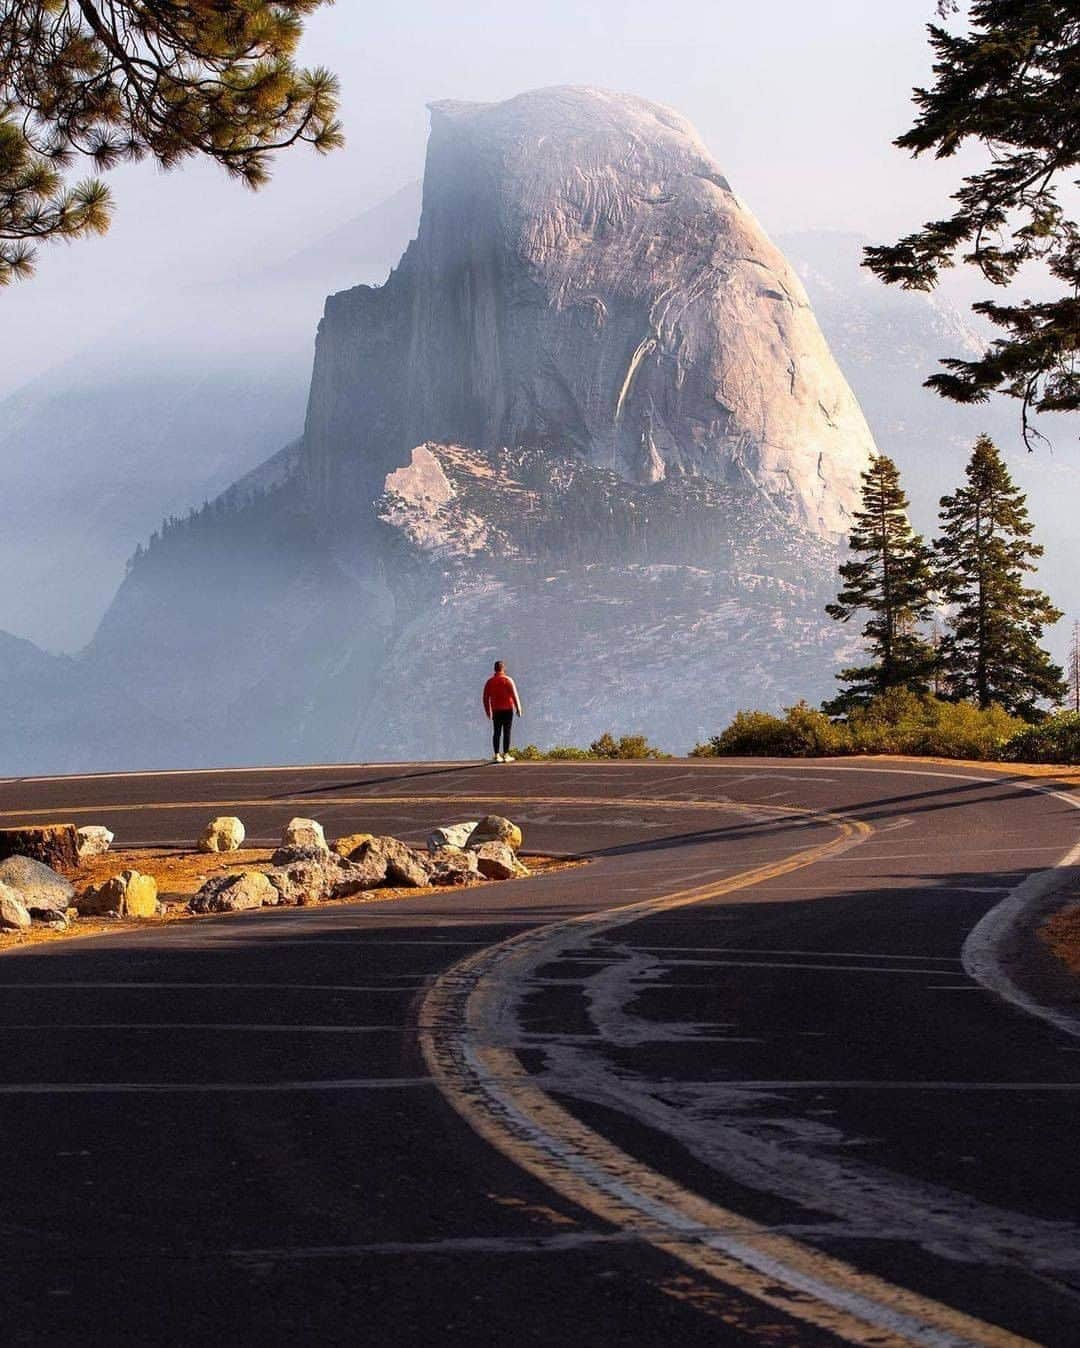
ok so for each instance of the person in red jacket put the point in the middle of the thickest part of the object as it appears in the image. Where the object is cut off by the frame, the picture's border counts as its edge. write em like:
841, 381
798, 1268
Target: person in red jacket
500, 702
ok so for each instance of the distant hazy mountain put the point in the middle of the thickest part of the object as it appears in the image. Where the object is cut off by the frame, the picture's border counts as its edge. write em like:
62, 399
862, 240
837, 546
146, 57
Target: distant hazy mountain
165, 415
887, 341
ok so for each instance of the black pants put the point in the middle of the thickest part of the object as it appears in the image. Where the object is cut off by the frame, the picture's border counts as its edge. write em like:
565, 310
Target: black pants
500, 724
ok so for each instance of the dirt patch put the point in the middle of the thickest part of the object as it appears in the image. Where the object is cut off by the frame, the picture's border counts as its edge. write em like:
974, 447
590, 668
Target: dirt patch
1061, 932
180, 873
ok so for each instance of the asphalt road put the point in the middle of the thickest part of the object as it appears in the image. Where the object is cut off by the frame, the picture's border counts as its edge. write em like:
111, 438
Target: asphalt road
726, 1083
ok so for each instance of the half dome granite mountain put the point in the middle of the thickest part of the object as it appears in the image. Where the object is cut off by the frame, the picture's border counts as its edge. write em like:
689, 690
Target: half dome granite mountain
585, 280
589, 424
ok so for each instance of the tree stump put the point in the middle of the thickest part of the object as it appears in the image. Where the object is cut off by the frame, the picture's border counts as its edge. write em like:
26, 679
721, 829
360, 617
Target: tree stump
57, 845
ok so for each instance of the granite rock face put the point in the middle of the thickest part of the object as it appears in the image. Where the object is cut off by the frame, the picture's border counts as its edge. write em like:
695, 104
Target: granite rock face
585, 278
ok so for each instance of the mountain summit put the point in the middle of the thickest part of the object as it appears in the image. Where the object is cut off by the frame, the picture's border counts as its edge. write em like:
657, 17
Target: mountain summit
585, 279
589, 425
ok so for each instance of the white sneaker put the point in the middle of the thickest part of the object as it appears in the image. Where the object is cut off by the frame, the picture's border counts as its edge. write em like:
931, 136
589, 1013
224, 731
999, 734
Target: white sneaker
508, 758
497, 759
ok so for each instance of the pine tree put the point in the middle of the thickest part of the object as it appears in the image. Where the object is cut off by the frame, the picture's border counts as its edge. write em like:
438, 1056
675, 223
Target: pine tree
122, 80
1005, 86
892, 580
991, 653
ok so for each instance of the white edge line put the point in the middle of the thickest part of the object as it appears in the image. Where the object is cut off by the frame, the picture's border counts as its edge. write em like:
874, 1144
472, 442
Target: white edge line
982, 954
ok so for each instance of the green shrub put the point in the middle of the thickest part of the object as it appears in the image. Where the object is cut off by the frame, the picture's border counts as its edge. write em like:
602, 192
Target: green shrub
897, 722
1054, 740
625, 747
606, 747
802, 732
903, 722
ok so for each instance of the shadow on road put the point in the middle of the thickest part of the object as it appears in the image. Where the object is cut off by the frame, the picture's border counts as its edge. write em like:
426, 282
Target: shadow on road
379, 781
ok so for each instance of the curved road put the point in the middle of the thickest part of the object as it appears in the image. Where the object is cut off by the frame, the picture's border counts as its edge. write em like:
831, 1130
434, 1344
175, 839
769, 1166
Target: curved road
727, 1083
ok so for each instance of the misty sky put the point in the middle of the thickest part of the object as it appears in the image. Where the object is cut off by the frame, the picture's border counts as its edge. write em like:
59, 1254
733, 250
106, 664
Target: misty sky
798, 102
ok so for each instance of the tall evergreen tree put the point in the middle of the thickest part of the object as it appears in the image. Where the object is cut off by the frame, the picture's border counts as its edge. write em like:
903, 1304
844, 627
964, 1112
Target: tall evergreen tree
992, 653
1006, 86
892, 580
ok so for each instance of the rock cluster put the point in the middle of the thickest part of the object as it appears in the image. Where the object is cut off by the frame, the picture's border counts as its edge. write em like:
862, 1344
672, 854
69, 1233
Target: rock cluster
304, 870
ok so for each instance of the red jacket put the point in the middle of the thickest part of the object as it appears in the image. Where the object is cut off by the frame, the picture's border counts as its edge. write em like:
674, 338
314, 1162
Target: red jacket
500, 694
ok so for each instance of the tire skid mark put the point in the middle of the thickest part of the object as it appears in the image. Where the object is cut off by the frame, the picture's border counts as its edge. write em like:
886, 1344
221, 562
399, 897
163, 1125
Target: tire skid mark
466, 1037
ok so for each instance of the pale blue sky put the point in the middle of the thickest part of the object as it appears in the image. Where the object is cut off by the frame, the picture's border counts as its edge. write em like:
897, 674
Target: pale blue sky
798, 102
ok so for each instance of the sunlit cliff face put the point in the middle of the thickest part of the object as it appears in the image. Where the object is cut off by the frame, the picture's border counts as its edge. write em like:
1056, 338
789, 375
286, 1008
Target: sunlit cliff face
584, 279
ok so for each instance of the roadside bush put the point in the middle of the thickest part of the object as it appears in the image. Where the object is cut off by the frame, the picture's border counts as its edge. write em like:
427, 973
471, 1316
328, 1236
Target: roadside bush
802, 732
606, 747
1055, 740
897, 722
533, 754
903, 722
625, 747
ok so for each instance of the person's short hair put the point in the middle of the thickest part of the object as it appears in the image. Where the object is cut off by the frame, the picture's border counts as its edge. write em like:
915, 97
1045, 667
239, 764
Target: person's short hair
498, 666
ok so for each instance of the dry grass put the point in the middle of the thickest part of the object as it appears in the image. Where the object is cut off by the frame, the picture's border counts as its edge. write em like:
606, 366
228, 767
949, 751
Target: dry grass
1061, 932
180, 873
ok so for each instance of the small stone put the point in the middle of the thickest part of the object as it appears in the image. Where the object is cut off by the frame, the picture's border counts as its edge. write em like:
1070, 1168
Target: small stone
450, 835
304, 833
494, 828
14, 915
37, 885
129, 894
453, 867
93, 840
223, 834
235, 893
53, 844
496, 861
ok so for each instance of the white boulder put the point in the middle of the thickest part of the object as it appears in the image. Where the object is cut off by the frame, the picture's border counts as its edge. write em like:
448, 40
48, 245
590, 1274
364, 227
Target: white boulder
223, 834
305, 833
450, 835
14, 915
93, 840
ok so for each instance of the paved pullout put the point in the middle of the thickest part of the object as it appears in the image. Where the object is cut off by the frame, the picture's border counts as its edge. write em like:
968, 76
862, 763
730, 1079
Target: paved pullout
761, 1103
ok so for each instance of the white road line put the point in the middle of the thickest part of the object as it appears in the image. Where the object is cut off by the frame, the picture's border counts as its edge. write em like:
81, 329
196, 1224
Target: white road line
870, 1084
209, 1087
810, 954
188, 1026
813, 968
986, 953
219, 987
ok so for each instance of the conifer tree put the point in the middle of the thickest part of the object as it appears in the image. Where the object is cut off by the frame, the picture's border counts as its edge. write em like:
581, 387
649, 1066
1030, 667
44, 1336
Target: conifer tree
119, 80
1006, 88
991, 653
892, 580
